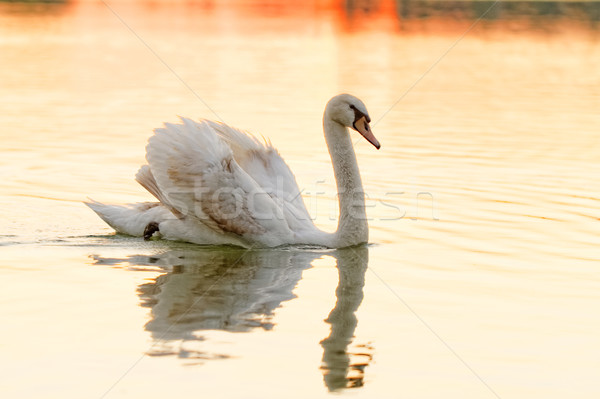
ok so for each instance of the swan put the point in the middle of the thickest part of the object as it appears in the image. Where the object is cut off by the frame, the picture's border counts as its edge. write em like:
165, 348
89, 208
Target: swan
217, 185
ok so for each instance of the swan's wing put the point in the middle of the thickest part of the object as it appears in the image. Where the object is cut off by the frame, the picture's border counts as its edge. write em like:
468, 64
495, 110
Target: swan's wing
146, 179
197, 176
264, 163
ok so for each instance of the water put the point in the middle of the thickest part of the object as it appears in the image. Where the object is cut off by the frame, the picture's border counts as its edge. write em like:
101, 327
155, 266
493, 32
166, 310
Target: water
481, 279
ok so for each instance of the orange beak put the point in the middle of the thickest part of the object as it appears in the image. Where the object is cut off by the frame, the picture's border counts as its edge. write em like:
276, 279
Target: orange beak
362, 126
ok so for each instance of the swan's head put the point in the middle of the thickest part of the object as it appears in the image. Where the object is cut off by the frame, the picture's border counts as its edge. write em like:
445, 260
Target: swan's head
349, 111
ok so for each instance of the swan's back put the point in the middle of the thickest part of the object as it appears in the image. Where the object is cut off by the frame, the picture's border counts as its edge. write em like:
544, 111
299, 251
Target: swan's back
226, 180
265, 165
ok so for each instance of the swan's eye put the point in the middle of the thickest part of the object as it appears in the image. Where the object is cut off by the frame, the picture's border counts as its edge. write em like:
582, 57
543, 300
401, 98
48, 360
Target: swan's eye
352, 106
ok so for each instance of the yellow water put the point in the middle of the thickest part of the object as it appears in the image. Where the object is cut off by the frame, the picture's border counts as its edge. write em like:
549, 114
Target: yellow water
482, 278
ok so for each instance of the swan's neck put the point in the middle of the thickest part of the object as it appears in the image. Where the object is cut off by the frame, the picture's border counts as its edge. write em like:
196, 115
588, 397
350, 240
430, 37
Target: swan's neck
352, 226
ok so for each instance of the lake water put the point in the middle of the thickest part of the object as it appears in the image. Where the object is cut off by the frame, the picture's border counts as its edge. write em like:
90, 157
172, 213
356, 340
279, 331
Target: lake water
482, 277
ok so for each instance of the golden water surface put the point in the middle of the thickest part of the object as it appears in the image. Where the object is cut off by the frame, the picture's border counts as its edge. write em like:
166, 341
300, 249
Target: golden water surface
482, 277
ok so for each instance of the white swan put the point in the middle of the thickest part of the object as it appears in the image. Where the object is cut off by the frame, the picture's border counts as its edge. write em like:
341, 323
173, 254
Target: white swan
218, 185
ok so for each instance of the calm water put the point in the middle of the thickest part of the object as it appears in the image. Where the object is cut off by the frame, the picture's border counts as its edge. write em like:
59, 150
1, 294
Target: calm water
482, 279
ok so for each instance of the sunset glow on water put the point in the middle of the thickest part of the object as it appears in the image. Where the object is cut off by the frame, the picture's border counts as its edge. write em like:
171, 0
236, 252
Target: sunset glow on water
481, 278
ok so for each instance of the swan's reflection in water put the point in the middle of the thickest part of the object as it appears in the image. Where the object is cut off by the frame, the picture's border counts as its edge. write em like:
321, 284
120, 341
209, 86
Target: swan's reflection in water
238, 291
344, 368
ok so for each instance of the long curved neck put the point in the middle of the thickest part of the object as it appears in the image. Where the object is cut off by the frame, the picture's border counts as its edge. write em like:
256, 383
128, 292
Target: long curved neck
352, 226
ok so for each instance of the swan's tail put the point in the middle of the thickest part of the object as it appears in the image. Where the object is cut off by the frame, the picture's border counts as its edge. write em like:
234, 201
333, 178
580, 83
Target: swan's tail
130, 219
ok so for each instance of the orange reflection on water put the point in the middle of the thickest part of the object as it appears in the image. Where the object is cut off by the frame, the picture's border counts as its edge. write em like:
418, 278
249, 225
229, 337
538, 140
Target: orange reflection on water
498, 140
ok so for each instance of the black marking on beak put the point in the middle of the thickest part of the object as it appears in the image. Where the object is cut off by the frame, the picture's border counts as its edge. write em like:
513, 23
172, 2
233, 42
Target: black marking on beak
366, 124
357, 116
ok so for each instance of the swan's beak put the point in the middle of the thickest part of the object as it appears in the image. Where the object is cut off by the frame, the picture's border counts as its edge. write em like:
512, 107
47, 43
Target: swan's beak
362, 126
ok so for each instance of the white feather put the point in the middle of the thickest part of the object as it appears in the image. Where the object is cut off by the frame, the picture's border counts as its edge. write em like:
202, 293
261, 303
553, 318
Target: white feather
218, 185
197, 176
130, 219
265, 165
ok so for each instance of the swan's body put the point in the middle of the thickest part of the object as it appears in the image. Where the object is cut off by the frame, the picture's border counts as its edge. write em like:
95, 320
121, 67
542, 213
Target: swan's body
218, 185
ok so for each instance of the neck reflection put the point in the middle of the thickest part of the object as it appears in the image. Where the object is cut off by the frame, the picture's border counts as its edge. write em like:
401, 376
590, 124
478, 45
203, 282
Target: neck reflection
342, 367
238, 291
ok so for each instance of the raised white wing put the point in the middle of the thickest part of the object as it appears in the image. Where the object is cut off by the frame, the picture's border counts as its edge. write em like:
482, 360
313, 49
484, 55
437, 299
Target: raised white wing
266, 166
196, 175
